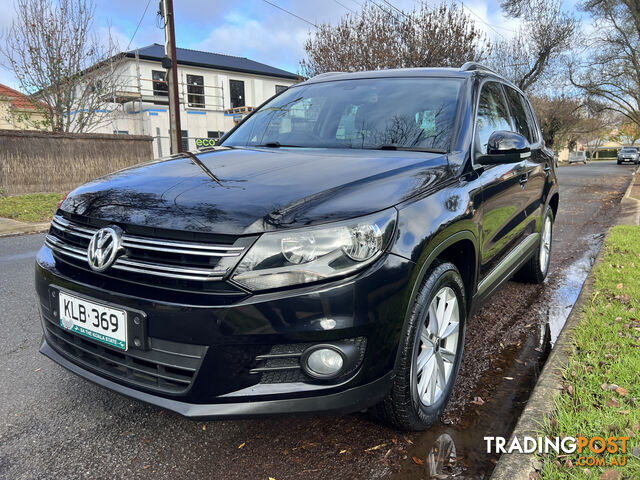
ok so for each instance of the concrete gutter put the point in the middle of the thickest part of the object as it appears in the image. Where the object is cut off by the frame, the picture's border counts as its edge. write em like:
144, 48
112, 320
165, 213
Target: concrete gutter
541, 404
13, 227
630, 213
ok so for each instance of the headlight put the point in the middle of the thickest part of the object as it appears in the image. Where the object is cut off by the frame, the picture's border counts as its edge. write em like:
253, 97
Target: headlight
280, 259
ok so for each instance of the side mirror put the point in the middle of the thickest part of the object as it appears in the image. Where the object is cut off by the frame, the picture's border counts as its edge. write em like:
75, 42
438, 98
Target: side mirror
505, 147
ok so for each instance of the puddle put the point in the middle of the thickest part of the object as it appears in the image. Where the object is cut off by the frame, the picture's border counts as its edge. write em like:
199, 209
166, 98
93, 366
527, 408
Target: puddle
459, 451
565, 296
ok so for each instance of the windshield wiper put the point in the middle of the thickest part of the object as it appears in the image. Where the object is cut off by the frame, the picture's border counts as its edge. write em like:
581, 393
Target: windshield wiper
392, 146
277, 145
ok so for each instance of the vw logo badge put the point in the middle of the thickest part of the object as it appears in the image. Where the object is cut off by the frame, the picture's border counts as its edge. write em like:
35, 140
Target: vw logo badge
104, 248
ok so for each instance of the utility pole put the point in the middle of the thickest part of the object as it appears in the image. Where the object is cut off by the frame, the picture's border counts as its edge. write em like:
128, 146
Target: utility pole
171, 64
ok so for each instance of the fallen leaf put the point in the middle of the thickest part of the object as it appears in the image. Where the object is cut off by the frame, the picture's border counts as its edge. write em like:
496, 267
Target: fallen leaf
622, 391
37, 370
477, 401
604, 386
508, 378
613, 403
343, 451
624, 412
417, 461
613, 386
610, 475
568, 463
377, 447
619, 286
204, 427
242, 445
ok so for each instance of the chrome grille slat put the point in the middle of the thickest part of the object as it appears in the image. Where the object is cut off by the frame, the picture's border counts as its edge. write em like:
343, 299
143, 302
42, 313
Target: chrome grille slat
139, 257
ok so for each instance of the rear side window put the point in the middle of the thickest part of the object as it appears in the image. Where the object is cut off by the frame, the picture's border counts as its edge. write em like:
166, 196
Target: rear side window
492, 115
519, 114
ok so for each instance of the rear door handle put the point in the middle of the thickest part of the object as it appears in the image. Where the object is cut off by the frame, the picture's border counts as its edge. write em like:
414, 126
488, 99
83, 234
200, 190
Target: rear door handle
523, 180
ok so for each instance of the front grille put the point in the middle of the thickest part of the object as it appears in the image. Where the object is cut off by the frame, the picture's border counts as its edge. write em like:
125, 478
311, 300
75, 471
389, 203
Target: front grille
155, 261
282, 363
167, 367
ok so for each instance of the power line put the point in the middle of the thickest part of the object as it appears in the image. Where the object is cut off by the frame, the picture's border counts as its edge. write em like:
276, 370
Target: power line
388, 12
395, 8
139, 23
291, 13
487, 23
343, 5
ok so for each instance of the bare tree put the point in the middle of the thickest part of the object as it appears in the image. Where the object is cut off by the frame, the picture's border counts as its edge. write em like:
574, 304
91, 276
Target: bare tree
558, 117
610, 71
377, 39
58, 59
533, 54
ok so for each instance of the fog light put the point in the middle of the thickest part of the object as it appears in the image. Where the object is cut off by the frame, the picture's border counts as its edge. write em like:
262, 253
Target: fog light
323, 362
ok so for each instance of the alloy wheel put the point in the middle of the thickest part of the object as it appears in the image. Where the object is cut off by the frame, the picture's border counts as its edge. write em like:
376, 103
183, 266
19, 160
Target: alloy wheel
545, 245
436, 355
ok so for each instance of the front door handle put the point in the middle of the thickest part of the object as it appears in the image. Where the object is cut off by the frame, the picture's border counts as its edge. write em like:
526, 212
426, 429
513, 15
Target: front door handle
547, 169
523, 180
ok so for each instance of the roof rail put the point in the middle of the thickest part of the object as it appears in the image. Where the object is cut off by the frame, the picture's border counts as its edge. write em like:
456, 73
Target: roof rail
469, 66
325, 74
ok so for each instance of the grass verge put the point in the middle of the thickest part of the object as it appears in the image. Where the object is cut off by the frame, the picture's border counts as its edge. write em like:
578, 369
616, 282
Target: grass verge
33, 207
601, 395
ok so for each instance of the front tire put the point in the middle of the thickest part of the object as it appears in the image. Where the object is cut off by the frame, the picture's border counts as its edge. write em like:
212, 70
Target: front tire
430, 353
537, 267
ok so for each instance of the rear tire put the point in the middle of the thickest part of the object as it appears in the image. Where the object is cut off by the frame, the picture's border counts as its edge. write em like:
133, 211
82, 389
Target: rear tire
537, 267
430, 353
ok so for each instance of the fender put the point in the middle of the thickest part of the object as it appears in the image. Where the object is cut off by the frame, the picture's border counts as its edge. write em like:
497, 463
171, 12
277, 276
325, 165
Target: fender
424, 268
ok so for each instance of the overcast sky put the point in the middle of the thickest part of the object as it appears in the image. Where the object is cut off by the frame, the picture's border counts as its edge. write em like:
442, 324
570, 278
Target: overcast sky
248, 28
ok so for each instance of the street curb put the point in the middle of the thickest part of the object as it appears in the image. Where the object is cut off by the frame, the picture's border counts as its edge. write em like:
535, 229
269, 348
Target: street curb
25, 229
630, 214
541, 403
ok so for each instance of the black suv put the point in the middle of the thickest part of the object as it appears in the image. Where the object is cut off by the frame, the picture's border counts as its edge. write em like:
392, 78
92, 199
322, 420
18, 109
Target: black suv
325, 257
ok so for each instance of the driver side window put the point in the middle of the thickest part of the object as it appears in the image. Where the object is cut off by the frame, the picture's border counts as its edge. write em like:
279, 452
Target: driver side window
492, 115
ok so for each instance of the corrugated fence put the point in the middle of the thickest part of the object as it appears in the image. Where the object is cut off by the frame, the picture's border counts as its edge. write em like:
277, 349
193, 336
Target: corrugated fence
50, 162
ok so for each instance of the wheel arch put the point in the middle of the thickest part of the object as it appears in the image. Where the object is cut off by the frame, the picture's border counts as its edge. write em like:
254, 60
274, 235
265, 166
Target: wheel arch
460, 249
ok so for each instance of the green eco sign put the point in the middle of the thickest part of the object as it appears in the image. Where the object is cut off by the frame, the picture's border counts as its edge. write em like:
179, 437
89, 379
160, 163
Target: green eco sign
205, 142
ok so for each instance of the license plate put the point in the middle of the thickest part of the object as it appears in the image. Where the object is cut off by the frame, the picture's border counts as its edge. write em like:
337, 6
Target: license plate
94, 320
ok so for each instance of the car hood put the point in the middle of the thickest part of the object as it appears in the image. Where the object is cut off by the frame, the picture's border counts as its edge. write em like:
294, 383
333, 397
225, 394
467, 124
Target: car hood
245, 191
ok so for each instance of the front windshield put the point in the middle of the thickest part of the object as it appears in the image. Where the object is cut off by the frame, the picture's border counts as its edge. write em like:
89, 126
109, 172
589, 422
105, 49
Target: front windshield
629, 150
365, 113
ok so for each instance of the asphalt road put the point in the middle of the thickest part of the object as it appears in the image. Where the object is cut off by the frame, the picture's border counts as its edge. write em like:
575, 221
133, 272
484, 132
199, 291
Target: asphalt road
56, 425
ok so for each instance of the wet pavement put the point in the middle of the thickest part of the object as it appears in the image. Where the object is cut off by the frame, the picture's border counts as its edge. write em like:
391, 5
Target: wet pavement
55, 425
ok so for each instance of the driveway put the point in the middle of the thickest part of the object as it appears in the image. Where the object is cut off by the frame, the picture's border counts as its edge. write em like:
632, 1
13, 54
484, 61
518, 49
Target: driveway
55, 425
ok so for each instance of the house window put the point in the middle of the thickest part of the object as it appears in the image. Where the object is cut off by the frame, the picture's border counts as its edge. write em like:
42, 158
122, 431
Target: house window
216, 135
160, 86
195, 90
280, 88
185, 140
121, 132
236, 89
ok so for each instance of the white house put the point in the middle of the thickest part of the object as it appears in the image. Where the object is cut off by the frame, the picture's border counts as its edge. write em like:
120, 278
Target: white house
209, 85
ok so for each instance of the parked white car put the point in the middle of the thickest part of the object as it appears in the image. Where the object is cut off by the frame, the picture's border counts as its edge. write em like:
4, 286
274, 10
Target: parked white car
578, 157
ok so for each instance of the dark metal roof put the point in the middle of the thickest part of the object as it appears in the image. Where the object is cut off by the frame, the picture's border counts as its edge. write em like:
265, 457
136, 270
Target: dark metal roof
213, 60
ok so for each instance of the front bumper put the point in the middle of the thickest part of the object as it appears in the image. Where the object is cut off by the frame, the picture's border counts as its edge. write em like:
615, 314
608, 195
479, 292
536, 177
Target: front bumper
346, 401
231, 336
